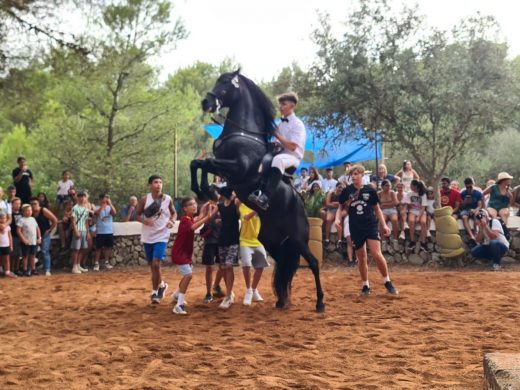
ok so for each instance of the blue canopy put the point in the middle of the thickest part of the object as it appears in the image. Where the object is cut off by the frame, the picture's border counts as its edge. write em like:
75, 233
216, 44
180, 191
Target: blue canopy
323, 152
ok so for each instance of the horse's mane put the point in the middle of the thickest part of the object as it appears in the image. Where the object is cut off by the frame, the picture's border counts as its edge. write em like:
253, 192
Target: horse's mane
264, 104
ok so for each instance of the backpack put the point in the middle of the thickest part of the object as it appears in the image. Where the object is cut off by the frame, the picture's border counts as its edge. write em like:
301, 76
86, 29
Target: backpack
507, 234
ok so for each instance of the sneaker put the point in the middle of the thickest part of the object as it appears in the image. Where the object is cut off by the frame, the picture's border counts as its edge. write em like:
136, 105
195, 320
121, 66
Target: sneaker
75, 270
390, 288
9, 274
18, 273
365, 291
411, 245
35, 272
47, 273
162, 290
248, 298
155, 298
217, 292
257, 297
108, 265
179, 309
402, 236
208, 298
82, 269
424, 247
226, 303
497, 267
96, 267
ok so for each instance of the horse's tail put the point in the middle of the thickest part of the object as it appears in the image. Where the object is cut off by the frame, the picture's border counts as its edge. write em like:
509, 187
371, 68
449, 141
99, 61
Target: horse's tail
287, 258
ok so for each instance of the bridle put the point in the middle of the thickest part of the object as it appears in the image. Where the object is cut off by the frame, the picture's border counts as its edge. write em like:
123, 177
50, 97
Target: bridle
247, 133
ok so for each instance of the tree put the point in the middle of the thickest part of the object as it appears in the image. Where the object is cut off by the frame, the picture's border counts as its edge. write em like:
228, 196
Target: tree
107, 108
430, 92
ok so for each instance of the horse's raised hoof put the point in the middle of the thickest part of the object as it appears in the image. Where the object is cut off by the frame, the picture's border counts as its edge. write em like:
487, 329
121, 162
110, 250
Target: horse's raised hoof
320, 307
280, 305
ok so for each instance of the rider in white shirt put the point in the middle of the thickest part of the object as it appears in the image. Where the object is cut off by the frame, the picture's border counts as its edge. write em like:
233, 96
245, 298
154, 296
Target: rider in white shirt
291, 138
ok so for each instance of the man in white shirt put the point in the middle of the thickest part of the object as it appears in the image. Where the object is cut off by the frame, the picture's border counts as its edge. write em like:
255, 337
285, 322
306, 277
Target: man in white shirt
301, 182
491, 238
291, 138
329, 183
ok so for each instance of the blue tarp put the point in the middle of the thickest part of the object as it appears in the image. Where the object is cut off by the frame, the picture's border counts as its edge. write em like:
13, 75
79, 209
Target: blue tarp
325, 153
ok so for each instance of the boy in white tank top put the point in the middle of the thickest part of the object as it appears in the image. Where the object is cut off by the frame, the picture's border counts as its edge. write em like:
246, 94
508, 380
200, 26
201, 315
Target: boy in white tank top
157, 214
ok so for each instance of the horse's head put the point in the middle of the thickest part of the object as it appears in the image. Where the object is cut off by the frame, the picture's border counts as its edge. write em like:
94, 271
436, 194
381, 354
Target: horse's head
223, 93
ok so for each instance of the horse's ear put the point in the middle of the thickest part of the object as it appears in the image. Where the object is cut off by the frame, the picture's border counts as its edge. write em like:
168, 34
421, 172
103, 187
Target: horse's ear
236, 72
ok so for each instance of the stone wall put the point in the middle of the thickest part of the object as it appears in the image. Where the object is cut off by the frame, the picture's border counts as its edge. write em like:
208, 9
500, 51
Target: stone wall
128, 250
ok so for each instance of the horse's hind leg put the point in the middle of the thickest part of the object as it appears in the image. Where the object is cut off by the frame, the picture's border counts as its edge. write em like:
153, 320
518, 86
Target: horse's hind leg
194, 166
286, 256
314, 266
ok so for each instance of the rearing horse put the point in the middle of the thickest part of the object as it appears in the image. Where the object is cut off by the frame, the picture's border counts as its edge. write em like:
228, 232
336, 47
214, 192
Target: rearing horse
239, 153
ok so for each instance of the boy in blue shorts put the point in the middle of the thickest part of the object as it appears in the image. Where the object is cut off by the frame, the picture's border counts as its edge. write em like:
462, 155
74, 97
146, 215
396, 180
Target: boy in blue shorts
182, 250
157, 214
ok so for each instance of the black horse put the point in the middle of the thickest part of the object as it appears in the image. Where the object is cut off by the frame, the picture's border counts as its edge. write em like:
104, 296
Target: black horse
239, 152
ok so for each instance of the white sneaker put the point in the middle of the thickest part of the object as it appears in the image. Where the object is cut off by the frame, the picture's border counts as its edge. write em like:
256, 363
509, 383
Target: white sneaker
226, 303
47, 273
75, 270
248, 298
96, 267
108, 265
256, 296
496, 267
81, 269
179, 309
402, 235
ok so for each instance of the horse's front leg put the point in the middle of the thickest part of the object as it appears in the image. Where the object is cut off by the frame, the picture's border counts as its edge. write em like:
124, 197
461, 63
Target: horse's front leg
194, 167
230, 169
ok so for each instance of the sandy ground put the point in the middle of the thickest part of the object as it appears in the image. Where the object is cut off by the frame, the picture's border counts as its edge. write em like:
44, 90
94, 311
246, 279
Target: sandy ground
99, 331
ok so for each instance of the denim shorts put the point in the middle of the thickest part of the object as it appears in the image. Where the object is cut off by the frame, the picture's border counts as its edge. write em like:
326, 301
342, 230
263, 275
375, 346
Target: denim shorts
157, 250
184, 269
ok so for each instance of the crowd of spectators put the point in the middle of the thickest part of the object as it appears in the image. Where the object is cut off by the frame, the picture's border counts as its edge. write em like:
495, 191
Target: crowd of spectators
408, 205
27, 223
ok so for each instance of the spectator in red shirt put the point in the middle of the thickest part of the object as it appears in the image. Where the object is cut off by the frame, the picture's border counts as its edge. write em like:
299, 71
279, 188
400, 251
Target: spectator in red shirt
182, 250
449, 195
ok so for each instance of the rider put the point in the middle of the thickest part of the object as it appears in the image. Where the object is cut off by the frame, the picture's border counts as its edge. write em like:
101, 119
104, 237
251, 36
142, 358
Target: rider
290, 137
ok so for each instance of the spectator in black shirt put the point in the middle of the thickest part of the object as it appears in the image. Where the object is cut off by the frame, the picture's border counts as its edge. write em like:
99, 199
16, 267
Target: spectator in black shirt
23, 180
362, 205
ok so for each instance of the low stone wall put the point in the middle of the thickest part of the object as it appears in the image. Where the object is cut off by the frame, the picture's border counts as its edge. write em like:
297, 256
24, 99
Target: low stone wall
502, 371
128, 250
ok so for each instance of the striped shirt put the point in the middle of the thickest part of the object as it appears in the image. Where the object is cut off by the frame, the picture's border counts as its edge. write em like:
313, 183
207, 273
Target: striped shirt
80, 215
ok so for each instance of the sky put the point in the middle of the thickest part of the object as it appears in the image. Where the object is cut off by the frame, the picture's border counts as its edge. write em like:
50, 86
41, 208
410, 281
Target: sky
265, 36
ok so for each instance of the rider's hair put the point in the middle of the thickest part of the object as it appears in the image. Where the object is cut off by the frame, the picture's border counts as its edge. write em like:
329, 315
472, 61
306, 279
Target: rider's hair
288, 97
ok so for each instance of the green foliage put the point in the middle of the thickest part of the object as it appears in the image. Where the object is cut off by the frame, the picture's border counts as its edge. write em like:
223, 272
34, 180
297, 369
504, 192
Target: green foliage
15, 144
433, 96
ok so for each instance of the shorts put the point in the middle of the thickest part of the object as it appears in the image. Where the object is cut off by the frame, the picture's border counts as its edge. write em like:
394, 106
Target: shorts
60, 199
104, 240
210, 254
284, 160
29, 250
253, 256
157, 250
346, 228
359, 238
389, 212
465, 213
5, 250
417, 213
332, 211
184, 269
79, 243
228, 255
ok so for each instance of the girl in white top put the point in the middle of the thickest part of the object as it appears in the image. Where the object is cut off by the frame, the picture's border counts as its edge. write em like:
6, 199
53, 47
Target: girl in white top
407, 174
6, 245
417, 202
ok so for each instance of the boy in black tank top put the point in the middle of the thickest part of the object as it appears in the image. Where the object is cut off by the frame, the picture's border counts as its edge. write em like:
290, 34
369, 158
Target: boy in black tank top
362, 204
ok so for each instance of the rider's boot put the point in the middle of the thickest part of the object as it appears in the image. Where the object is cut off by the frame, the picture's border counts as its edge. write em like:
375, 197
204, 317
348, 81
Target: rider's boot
261, 199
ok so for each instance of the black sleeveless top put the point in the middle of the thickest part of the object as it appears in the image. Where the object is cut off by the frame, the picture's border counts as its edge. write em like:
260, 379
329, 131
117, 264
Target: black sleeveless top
15, 217
43, 222
229, 232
